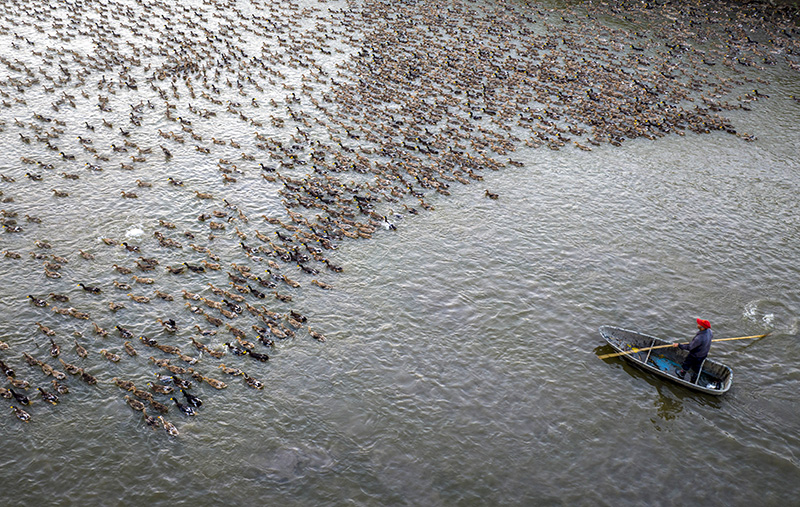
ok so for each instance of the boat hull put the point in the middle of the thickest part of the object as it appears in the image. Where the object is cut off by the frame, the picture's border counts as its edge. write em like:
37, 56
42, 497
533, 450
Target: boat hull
715, 378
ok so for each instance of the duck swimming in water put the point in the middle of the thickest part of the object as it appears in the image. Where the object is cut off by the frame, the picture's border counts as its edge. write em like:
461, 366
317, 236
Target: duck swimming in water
169, 325
48, 396
8, 372
149, 420
71, 368
21, 398
186, 409
216, 384
38, 302
257, 356
169, 427
60, 388
160, 388
124, 333
21, 414
114, 358
192, 399
253, 382
134, 404
90, 289
317, 336
19, 383
88, 378
55, 350
159, 407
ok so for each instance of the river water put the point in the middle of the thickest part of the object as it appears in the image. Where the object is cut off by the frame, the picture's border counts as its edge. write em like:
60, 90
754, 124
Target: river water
460, 365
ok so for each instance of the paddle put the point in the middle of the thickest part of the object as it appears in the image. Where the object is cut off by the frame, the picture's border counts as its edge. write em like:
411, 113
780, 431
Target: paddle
635, 350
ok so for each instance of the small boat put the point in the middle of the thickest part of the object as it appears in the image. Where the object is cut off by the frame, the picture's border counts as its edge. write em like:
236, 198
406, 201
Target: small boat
715, 378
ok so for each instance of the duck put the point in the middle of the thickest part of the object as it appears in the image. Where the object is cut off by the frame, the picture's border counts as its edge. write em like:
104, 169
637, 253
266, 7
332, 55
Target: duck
130, 248
169, 349
21, 414
490, 195
192, 399
186, 409
61, 389
181, 383
257, 356
134, 403
178, 370
139, 299
322, 285
99, 330
210, 265
21, 398
129, 349
195, 268
59, 193
297, 316
114, 358
236, 351
88, 378
159, 407
142, 394
37, 302
46, 330
122, 269
216, 384
160, 388
90, 289
204, 332
48, 396
115, 306
213, 320
170, 325
188, 359
317, 336
282, 297
123, 384
163, 295
252, 382
332, 267
148, 419
169, 427
32, 361
121, 286
124, 333
129, 195
55, 350
8, 372
18, 383
230, 371
71, 368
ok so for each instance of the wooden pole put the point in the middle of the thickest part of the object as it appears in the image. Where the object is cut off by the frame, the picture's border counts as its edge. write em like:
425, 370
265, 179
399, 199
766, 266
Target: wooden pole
635, 350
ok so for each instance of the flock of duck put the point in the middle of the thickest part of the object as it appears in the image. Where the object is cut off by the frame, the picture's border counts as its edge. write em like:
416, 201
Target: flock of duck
282, 130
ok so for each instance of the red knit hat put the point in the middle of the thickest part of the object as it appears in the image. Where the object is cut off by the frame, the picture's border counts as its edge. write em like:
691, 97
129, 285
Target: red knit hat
704, 323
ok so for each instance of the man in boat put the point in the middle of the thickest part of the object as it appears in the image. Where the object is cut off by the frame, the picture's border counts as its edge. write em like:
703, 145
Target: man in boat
698, 349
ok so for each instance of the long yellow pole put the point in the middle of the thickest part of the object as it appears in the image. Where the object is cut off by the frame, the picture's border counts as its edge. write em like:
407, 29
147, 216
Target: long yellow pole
635, 350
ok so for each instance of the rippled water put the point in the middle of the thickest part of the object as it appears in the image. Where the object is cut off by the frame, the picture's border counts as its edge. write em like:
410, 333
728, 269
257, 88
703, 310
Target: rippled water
460, 366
